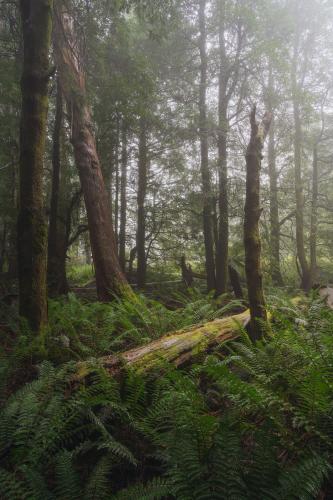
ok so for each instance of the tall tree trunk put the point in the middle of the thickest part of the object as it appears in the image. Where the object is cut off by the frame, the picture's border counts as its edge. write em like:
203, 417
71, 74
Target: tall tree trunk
116, 177
56, 265
123, 198
110, 280
32, 230
304, 267
273, 193
205, 174
142, 189
12, 238
223, 229
252, 243
3, 245
314, 215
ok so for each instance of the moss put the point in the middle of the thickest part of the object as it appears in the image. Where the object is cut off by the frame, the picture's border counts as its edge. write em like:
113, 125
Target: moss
37, 26
185, 343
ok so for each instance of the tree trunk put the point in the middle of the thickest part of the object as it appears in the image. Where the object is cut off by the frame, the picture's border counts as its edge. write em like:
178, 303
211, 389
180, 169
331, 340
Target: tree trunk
273, 194
87, 249
187, 274
205, 174
252, 213
131, 260
110, 281
305, 270
223, 230
314, 216
32, 231
3, 245
142, 188
235, 282
123, 198
56, 265
116, 184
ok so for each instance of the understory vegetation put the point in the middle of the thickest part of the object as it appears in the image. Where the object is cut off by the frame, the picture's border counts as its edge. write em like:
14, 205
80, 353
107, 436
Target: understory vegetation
247, 421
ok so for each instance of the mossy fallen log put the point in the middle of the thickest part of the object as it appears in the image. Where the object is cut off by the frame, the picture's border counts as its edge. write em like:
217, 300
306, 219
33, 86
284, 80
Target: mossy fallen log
177, 347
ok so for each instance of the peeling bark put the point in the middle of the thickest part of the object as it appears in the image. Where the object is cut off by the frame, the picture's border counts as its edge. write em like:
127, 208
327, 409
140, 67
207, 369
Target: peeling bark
110, 280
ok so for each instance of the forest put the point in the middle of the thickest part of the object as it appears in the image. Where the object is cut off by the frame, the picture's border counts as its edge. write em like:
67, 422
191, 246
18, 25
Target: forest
166, 249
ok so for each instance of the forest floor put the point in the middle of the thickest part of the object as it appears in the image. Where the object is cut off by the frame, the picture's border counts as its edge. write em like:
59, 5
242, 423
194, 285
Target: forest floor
139, 399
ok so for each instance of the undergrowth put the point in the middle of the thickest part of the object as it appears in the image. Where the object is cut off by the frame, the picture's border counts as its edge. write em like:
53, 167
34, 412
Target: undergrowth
256, 423
81, 330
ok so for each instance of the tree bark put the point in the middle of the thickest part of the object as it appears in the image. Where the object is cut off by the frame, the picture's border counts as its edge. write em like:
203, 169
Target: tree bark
305, 270
314, 216
252, 243
274, 255
223, 229
205, 174
12, 257
36, 18
142, 189
235, 282
179, 348
123, 198
57, 244
187, 274
116, 184
110, 280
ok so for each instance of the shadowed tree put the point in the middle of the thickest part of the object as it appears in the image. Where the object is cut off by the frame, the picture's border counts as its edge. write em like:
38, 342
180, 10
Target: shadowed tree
57, 241
36, 18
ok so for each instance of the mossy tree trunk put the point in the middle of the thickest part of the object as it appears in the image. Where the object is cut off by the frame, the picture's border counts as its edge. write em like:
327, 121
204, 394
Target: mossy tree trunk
180, 347
36, 18
205, 174
57, 241
110, 280
252, 213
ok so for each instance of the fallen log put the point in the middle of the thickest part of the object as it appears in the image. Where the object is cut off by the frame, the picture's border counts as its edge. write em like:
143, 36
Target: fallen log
177, 347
